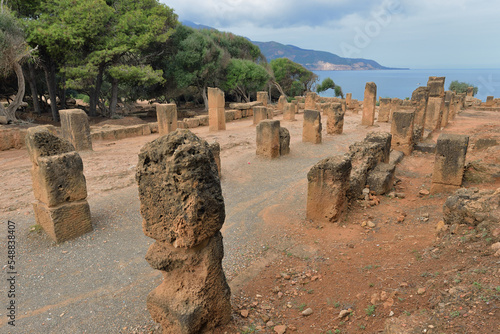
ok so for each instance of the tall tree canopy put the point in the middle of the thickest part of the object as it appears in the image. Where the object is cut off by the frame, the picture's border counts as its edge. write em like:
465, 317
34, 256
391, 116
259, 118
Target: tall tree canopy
292, 77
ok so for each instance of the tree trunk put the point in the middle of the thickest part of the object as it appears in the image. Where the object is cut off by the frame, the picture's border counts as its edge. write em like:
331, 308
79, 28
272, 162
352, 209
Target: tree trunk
278, 87
94, 93
62, 93
114, 97
10, 112
205, 97
50, 77
33, 88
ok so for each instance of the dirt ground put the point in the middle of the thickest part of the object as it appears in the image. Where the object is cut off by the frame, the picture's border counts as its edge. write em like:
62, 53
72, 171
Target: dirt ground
278, 264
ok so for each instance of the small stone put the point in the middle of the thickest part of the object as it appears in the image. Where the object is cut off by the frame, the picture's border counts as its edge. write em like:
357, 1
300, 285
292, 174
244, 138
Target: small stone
363, 224
392, 194
400, 195
370, 224
265, 318
244, 313
280, 329
430, 326
441, 226
280, 294
424, 192
270, 324
421, 291
307, 311
286, 276
391, 314
343, 314
401, 219
495, 246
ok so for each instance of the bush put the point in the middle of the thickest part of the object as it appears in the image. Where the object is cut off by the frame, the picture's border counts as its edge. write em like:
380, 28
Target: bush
461, 87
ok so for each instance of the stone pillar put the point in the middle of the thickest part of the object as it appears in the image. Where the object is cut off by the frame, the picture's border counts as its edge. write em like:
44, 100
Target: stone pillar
348, 99
263, 97
61, 206
369, 104
311, 101
384, 139
259, 114
402, 131
451, 150
166, 114
335, 119
268, 139
448, 104
384, 111
183, 210
75, 128
395, 105
289, 112
216, 113
419, 99
215, 149
470, 91
490, 101
435, 103
311, 129
281, 103
284, 141
328, 182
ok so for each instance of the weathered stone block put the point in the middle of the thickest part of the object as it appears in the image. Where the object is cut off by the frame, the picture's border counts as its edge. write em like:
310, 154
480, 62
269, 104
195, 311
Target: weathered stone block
328, 182
490, 101
215, 149
434, 114
381, 179
58, 179
216, 114
448, 173
289, 112
229, 115
310, 102
237, 114
311, 129
384, 111
268, 138
203, 120
65, 221
335, 119
436, 86
369, 104
470, 91
348, 99
472, 207
259, 114
364, 157
41, 143
191, 122
179, 189
263, 97
166, 114
281, 102
419, 99
284, 141
75, 128
402, 131
194, 296
382, 138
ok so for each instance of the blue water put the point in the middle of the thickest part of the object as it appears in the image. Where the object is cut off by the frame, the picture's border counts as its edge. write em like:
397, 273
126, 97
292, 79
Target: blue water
401, 83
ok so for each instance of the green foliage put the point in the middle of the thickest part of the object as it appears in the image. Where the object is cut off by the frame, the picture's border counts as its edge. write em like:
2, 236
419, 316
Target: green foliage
13, 47
370, 310
329, 84
293, 77
244, 77
461, 87
237, 46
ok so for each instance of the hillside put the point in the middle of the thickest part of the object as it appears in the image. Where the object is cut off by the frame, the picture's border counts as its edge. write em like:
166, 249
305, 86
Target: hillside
311, 59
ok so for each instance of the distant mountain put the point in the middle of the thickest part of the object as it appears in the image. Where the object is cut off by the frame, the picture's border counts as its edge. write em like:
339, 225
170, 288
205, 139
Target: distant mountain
310, 59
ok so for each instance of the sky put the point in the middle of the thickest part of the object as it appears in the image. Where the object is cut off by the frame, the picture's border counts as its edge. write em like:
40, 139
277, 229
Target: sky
419, 34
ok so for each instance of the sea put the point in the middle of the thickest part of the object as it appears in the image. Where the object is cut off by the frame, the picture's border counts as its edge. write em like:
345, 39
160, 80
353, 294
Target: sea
401, 83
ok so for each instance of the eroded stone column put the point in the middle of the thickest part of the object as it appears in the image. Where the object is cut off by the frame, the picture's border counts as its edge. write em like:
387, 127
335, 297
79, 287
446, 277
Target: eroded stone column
61, 206
490, 101
311, 129
419, 99
183, 210
384, 111
369, 104
448, 173
328, 182
384, 139
215, 149
263, 97
289, 112
216, 111
402, 131
348, 99
435, 103
259, 114
268, 138
281, 103
166, 114
311, 101
470, 91
335, 119
75, 128
284, 141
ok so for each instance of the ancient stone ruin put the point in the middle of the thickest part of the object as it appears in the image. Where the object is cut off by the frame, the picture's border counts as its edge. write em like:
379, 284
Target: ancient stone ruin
335, 119
61, 206
272, 140
75, 128
448, 173
289, 112
259, 114
310, 102
328, 182
402, 131
166, 115
369, 104
435, 103
216, 111
311, 129
215, 149
384, 111
419, 99
263, 97
183, 210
